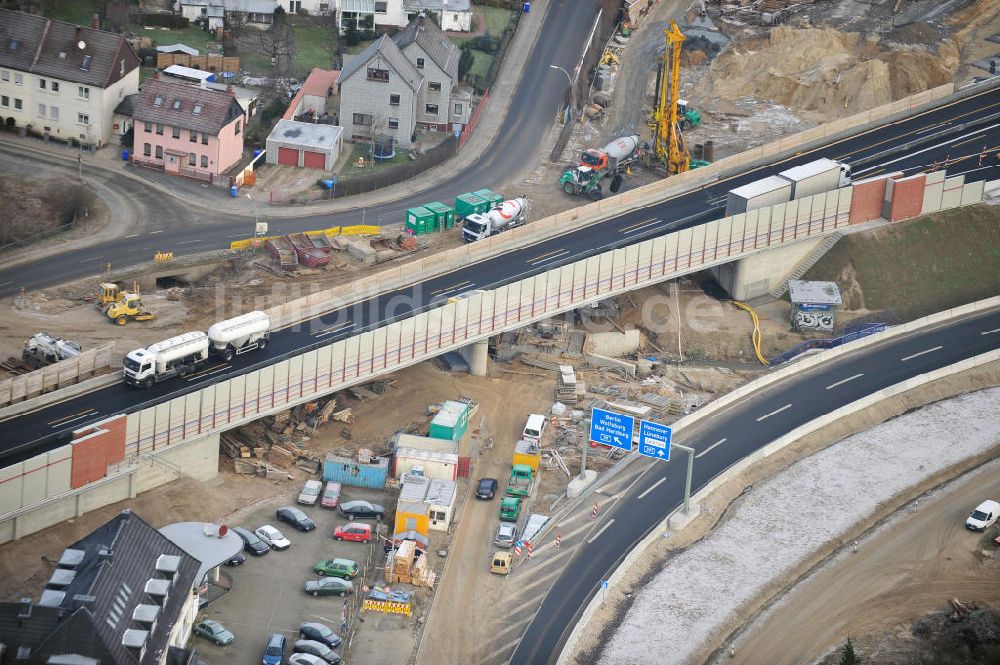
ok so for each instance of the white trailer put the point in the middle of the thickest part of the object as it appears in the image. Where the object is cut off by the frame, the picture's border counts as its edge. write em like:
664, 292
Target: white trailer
505, 216
240, 334
177, 356
769, 191
821, 175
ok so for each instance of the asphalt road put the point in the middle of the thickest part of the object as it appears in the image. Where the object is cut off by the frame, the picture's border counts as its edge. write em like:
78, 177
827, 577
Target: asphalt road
42, 430
532, 109
727, 437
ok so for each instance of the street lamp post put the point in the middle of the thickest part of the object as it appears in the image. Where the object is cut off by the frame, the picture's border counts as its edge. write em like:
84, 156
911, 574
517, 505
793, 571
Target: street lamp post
256, 224
572, 88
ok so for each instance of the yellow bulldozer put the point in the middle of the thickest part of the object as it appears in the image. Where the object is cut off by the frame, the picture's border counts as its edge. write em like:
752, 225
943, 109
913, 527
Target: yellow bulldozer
120, 305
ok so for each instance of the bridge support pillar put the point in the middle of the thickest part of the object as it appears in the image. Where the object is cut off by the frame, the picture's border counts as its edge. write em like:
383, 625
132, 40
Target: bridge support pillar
759, 274
477, 355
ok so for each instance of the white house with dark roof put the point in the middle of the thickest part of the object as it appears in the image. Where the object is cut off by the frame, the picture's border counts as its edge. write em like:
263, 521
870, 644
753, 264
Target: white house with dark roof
62, 79
402, 83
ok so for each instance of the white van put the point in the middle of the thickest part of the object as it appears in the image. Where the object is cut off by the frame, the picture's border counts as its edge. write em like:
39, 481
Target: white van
535, 428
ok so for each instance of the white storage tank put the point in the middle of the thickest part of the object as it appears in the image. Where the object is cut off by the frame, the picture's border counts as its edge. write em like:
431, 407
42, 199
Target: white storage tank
239, 331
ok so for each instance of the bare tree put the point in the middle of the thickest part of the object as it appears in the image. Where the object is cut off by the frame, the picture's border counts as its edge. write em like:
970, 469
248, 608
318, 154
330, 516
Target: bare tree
278, 43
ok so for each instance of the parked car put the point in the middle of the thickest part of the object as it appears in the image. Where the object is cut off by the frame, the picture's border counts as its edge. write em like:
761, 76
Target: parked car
237, 560
273, 537
320, 633
314, 648
310, 493
274, 652
344, 568
305, 659
361, 510
295, 517
359, 533
506, 534
214, 631
251, 543
331, 495
329, 586
983, 517
487, 488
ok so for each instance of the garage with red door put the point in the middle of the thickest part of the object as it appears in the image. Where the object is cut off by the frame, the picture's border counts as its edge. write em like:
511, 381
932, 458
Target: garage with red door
304, 145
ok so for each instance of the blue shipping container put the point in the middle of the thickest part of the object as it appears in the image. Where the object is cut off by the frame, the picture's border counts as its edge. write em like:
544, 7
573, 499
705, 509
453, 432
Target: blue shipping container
348, 471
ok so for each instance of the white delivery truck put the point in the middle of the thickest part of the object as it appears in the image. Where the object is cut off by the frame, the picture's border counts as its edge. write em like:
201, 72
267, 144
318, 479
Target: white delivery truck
176, 356
821, 175
238, 335
505, 216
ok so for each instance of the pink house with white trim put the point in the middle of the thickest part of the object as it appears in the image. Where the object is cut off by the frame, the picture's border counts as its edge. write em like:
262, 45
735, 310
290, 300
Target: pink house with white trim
187, 130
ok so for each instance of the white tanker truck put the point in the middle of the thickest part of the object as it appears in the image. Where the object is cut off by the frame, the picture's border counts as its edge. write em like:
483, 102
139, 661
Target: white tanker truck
505, 216
183, 354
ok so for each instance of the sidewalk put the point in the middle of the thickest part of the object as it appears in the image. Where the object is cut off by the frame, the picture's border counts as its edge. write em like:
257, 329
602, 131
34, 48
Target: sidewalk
216, 199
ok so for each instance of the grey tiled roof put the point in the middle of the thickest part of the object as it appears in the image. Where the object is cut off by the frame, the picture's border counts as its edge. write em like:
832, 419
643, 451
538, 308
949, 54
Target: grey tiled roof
119, 558
52, 48
218, 108
386, 51
431, 39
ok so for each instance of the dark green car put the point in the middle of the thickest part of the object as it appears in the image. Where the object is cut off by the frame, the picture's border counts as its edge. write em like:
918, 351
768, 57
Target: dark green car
344, 568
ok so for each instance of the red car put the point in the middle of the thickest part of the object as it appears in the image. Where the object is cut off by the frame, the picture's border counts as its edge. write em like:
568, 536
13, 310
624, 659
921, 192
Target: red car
331, 495
361, 533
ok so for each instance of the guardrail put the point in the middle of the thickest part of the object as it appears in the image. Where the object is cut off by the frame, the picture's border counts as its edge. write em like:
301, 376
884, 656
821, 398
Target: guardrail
56, 376
851, 334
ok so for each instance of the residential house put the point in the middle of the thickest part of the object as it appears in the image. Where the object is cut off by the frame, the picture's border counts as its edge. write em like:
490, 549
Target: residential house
397, 85
436, 58
254, 13
208, 14
362, 14
64, 80
187, 130
455, 15
379, 90
122, 595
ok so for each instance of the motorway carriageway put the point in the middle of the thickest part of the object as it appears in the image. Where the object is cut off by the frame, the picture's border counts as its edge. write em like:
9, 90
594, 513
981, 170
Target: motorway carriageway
728, 436
31, 434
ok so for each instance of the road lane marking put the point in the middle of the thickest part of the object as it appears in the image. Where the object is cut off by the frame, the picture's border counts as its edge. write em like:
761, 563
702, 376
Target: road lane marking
12, 281
153, 232
985, 332
843, 381
652, 487
96, 258
712, 447
603, 529
638, 225
333, 329
547, 256
74, 416
206, 372
133, 235
774, 413
187, 242
451, 288
916, 355
974, 138
559, 255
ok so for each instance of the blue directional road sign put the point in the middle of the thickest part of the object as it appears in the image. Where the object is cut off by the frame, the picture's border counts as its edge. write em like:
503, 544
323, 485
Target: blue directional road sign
611, 429
654, 440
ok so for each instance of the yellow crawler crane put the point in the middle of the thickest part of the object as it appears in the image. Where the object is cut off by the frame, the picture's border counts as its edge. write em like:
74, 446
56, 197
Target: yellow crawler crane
669, 141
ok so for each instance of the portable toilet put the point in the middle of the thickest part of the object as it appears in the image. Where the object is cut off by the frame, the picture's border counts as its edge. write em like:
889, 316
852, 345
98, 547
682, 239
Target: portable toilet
489, 195
420, 220
467, 204
445, 214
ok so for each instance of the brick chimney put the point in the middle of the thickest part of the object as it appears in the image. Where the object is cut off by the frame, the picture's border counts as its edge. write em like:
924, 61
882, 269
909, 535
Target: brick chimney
95, 21
229, 90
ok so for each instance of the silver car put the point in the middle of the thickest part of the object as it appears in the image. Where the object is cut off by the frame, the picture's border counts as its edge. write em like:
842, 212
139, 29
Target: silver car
310, 493
506, 534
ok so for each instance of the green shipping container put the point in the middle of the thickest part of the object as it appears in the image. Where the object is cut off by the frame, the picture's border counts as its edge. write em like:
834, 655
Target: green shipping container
450, 422
467, 204
420, 220
491, 196
445, 214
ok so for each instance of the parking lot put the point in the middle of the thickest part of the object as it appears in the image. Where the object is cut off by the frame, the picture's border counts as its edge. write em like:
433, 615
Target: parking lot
268, 593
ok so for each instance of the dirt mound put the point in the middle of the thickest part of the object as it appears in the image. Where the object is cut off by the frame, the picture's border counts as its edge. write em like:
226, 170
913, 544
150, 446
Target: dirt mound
823, 73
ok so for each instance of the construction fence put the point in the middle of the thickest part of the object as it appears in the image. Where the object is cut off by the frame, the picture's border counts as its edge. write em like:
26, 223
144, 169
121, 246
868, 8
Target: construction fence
207, 63
358, 230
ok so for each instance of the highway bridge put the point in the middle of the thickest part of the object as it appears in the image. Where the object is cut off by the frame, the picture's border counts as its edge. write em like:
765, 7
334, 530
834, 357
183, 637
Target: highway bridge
629, 249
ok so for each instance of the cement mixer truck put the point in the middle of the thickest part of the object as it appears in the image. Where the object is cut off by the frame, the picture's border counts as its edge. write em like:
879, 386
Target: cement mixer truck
505, 216
183, 354
614, 160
